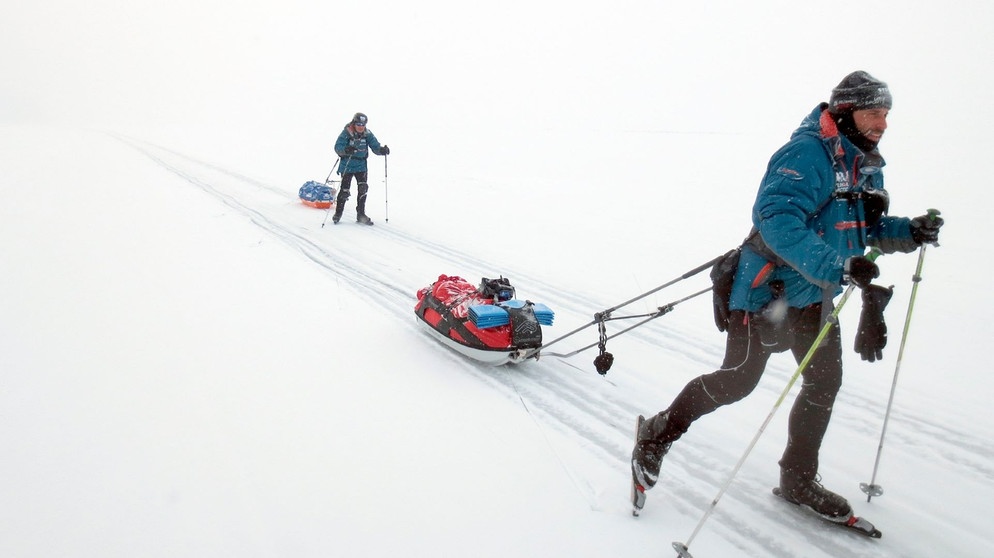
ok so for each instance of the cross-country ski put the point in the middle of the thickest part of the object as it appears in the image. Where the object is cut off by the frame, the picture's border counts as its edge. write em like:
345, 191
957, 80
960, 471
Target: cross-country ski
849, 521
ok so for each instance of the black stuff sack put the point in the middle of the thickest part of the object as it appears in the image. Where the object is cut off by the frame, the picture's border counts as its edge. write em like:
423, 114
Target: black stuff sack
722, 277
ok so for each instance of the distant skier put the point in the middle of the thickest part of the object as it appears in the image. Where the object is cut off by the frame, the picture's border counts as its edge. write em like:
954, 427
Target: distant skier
820, 204
353, 146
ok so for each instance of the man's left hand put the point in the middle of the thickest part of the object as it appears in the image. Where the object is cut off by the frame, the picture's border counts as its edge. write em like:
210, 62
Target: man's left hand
871, 336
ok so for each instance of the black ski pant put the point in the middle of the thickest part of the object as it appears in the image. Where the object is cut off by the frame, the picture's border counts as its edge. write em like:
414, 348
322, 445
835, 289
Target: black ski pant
743, 366
343, 194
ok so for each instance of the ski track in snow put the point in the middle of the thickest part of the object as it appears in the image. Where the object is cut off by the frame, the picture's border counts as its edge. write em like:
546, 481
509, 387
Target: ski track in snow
576, 404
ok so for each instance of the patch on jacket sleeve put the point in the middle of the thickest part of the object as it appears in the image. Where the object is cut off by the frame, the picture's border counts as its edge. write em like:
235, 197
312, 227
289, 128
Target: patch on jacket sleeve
790, 173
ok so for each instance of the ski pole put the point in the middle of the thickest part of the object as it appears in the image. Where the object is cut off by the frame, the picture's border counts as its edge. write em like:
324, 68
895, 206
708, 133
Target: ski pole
326, 180
325, 220
386, 191
682, 549
332, 170
344, 164
872, 489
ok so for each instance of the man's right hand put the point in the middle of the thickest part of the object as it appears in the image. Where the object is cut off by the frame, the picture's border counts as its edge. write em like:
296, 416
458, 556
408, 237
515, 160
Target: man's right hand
925, 229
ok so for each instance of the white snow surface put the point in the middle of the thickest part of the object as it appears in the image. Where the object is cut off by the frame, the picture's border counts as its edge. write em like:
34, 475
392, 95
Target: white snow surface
192, 365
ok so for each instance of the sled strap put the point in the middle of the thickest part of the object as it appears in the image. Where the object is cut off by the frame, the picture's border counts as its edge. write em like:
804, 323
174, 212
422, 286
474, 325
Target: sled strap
449, 323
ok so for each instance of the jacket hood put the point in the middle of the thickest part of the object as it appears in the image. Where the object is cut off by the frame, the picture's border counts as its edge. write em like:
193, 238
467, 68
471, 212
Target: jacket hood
817, 123
820, 124
350, 130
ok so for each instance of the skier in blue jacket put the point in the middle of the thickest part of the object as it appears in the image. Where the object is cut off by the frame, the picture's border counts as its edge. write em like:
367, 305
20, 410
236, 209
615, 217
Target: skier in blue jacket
353, 146
820, 205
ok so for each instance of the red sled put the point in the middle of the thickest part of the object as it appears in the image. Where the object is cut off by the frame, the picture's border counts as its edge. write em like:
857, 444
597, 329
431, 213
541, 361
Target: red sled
317, 204
315, 194
485, 323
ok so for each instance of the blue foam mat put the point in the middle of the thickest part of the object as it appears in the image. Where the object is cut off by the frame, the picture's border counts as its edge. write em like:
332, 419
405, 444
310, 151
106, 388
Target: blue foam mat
489, 315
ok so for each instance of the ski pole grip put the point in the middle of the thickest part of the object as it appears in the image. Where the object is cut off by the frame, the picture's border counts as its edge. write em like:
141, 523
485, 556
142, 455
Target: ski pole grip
932, 215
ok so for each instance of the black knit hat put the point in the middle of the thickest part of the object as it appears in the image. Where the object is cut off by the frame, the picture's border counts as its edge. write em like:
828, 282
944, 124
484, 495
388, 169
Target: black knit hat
859, 91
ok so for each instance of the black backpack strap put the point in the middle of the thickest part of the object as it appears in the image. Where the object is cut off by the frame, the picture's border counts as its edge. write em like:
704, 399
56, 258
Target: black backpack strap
449, 323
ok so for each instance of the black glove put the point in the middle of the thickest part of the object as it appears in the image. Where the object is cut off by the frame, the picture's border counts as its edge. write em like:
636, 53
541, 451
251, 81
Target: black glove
871, 337
925, 229
349, 150
860, 271
385, 150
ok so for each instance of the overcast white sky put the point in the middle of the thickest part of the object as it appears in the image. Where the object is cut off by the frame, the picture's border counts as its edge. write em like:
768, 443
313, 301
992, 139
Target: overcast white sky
236, 63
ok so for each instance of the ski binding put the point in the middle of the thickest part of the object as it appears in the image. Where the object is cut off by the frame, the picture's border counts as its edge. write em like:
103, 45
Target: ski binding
853, 522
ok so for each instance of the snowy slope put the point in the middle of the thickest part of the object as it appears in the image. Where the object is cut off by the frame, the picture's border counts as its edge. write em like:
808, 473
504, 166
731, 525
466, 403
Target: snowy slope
191, 365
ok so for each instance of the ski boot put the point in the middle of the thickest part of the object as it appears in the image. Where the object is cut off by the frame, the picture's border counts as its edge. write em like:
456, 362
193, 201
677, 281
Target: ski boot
336, 217
647, 457
363, 219
808, 492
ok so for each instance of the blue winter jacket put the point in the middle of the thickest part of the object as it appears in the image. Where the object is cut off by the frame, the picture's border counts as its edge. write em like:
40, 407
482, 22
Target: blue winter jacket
810, 215
363, 142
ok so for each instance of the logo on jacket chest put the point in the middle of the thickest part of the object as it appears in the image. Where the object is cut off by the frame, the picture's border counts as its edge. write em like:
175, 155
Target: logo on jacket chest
843, 181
